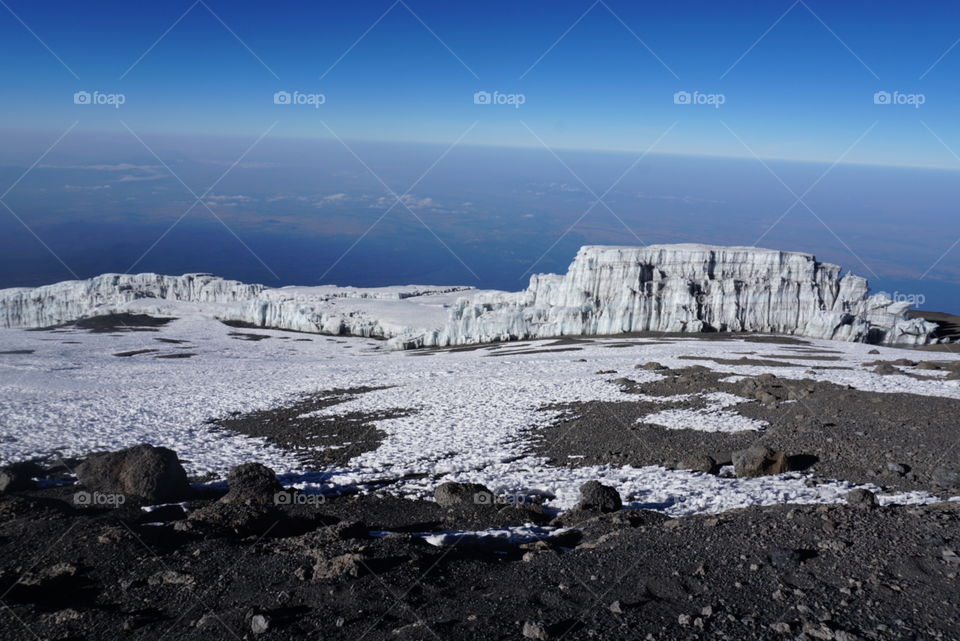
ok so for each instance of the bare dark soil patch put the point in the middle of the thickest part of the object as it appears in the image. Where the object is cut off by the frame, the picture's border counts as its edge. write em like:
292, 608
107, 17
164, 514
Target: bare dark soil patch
136, 352
320, 441
901, 441
112, 323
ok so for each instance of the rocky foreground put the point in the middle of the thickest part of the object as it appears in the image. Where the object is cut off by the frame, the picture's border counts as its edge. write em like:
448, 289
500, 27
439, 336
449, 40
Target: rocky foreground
100, 560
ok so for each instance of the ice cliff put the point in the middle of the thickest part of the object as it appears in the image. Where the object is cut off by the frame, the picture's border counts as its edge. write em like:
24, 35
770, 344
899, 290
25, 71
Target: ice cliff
606, 290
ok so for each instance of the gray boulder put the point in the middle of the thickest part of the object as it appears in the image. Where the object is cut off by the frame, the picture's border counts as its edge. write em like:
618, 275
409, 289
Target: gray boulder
251, 483
452, 494
597, 497
759, 461
151, 473
699, 463
862, 498
18, 477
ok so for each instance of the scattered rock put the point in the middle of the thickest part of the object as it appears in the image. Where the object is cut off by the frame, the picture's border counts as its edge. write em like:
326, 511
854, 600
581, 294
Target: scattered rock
862, 498
759, 461
699, 463
897, 468
345, 565
259, 623
171, 577
18, 477
946, 477
251, 483
598, 497
885, 369
237, 518
534, 630
904, 362
785, 557
452, 494
151, 473
652, 366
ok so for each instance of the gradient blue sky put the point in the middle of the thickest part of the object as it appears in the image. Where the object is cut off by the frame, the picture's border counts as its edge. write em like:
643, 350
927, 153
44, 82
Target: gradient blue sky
800, 93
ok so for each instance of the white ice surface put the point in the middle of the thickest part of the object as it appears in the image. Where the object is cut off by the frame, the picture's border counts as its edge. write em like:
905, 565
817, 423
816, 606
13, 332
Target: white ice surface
473, 410
713, 418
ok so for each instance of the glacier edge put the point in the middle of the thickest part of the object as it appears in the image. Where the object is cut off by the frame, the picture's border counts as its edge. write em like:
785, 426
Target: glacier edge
606, 290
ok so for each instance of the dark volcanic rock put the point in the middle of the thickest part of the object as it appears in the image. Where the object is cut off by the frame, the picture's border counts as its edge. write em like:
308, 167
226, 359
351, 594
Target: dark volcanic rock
759, 461
462, 494
252, 483
152, 473
18, 477
599, 498
862, 498
699, 463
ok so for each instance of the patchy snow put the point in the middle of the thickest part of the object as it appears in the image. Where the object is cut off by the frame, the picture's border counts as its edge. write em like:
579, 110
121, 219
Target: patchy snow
712, 418
474, 408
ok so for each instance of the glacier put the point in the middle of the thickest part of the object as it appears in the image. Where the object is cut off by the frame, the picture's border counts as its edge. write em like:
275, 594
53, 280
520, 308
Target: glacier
606, 290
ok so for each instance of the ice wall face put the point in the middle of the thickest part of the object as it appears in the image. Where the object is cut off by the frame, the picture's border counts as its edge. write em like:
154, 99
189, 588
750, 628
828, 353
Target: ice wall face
607, 290
685, 288
73, 299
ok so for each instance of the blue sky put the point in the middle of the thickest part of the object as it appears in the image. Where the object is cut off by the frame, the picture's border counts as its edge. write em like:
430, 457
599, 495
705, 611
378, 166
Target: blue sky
797, 78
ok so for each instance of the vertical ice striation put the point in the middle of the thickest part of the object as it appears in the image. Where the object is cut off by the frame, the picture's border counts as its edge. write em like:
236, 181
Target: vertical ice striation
685, 288
606, 290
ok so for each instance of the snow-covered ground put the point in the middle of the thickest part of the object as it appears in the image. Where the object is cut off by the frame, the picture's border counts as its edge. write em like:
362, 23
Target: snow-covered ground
473, 409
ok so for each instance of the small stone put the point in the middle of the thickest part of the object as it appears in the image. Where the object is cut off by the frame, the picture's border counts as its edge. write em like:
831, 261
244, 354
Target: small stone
781, 627
616, 608
862, 498
251, 483
759, 461
535, 630
897, 468
339, 567
684, 619
598, 497
885, 369
874, 351
699, 463
452, 494
652, 365
259, 624
785, 557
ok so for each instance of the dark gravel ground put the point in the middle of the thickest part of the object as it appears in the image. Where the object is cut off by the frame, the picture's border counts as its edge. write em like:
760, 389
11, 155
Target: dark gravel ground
316, 572
319, 441
903, 441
